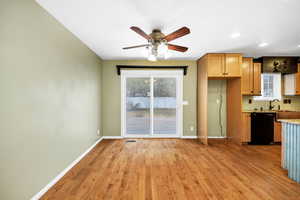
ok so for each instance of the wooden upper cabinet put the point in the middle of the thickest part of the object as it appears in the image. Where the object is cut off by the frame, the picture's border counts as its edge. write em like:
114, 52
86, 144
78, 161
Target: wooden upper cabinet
251, 77
297, 81
215, 65
257, 79
247, 78
224, 65
233, 62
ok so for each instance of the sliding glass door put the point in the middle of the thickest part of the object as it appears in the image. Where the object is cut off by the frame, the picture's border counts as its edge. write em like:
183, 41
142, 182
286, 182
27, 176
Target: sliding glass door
138, 106
164, 106
151, 103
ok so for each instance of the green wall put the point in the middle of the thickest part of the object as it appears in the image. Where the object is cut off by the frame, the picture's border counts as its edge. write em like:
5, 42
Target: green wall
216, 89
111, 99
50, 85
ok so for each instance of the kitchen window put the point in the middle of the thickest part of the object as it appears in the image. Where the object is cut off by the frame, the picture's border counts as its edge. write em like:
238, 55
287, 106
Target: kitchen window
270, 87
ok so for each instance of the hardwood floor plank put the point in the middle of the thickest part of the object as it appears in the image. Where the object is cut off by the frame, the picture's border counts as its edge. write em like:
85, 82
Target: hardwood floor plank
162, 169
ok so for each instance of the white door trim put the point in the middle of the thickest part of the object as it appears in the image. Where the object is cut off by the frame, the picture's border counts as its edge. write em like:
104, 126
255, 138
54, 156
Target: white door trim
178, 74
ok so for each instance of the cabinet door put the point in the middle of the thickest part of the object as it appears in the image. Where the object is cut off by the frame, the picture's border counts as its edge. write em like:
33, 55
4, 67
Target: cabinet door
247, 76
233, 63
246, 130
257, 78
215, 67
277, 132
289, 84
297, 81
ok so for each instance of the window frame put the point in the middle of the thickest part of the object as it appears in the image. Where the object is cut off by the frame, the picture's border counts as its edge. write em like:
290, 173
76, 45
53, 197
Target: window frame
276, 88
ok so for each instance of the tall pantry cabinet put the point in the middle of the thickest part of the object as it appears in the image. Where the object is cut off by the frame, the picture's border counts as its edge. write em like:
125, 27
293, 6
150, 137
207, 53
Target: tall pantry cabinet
220, 66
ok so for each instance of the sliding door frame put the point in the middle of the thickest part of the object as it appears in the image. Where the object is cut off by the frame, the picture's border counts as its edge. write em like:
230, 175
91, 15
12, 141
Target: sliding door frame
151, 74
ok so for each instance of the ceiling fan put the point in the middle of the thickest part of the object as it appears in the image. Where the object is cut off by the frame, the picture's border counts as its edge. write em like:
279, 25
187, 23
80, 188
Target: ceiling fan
158, 43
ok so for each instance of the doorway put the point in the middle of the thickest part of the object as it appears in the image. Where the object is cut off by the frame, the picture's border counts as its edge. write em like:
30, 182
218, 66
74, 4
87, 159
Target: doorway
151, 103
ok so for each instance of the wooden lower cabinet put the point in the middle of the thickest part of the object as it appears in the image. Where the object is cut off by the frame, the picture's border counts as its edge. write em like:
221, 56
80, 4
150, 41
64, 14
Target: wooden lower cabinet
277, 132
246, 128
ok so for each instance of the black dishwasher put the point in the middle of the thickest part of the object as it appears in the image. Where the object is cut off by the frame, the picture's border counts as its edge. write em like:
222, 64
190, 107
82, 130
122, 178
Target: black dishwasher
262, 128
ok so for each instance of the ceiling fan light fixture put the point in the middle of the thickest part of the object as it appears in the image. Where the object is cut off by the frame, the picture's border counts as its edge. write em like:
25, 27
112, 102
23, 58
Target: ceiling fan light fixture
145, 52
152, 58
158, 43
167, 55
162, 48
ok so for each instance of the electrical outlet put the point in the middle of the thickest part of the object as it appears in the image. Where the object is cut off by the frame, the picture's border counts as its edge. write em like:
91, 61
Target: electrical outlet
98, 132
192, 128
185, 103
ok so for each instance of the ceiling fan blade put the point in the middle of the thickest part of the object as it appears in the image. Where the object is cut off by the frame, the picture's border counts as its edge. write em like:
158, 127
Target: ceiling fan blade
137, 46
177, 48
177, 34
140, 32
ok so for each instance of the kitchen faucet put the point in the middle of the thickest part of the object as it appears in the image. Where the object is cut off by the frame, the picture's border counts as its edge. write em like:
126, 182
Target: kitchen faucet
271, 106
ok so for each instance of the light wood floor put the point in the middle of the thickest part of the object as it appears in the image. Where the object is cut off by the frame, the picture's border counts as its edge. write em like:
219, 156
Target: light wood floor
177, 169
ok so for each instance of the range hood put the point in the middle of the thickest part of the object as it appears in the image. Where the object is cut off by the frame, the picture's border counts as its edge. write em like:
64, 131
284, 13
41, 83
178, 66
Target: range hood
284, 65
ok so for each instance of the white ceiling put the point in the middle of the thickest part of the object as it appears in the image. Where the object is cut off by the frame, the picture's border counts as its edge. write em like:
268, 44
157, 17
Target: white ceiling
103, 25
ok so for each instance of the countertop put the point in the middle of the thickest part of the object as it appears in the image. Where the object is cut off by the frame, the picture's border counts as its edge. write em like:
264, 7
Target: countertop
259, 111
270, 111
291, 121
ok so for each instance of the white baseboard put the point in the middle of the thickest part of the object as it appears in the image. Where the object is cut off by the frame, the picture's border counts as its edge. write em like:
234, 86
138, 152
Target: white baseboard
189, 137
112, 137
61, 174
217, 137
120, 137
152, 137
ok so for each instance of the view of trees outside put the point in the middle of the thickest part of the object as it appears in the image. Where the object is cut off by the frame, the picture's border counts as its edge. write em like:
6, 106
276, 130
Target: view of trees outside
140, 87
164, 91
164, 87
138, 105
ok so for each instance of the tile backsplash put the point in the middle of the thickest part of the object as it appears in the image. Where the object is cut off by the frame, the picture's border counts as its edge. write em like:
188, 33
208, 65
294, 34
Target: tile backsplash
294, 106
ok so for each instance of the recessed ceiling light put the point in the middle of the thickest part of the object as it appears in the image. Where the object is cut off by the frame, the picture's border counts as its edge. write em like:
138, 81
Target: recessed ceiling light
299, 45
263, 44
235, 35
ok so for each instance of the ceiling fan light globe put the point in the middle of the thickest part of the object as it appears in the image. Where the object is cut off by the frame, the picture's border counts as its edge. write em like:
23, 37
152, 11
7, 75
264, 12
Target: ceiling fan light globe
168, 54
145, 52
152, 58
162, 49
